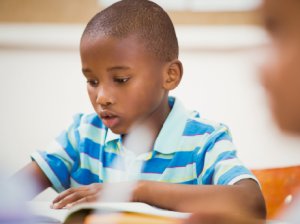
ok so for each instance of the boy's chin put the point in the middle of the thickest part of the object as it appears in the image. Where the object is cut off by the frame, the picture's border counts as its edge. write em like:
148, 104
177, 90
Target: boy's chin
119, 131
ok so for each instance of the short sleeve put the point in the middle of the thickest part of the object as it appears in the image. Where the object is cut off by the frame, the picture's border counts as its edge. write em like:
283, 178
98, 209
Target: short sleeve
60, 157
220, 164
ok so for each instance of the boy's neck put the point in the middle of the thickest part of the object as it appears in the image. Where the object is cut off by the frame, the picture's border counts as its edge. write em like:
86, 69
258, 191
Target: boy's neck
159, 117
155, 122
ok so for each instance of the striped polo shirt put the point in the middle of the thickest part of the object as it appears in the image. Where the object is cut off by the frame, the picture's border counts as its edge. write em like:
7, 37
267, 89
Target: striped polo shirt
188, 150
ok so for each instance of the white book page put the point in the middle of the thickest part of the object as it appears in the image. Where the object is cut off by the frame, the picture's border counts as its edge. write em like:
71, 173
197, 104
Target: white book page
43, 212
135, 207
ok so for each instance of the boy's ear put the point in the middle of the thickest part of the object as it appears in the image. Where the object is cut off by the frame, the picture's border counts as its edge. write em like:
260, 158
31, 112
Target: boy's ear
173, 75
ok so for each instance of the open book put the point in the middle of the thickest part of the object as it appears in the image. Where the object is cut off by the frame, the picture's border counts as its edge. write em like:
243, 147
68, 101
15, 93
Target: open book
105, 212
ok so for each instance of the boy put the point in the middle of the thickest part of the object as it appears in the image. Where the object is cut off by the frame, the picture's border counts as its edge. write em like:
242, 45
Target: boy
129, 55
281, 78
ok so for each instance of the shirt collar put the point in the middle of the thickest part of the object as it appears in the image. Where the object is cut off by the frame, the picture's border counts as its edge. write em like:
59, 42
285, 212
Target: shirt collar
169, 136
110, 136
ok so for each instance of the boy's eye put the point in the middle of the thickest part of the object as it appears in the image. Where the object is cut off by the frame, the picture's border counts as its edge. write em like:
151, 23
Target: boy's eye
121, 80
93, 83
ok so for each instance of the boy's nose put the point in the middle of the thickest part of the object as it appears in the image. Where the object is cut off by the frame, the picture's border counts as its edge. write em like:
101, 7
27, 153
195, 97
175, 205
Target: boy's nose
103, 98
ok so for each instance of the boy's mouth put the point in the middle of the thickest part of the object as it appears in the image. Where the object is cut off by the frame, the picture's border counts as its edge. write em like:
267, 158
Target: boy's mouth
109, 119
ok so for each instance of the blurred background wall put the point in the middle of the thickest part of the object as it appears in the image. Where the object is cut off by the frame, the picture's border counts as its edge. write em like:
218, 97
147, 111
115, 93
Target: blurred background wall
41, 85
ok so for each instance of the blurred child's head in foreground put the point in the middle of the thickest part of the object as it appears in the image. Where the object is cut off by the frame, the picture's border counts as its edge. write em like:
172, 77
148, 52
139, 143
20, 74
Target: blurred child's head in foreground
281, 75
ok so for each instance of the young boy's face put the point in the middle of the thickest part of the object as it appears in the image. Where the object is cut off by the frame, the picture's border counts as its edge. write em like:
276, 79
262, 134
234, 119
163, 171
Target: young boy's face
282, 73
124, 81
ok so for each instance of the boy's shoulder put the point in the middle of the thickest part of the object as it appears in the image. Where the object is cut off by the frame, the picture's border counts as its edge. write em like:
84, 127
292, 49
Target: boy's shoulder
187, 131
190, 122
200, 132
198, 125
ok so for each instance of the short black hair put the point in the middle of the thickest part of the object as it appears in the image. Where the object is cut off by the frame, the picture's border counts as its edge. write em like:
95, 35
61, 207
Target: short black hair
143, 18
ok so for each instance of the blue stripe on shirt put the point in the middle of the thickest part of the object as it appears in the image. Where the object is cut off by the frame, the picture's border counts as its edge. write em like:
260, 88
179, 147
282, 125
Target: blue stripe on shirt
233, 172
208, 176
193, 128
199, 155
63, 140
85, 176
97, 151
90, 148
158, 165
216, 138
94, 120
109, 160
59, 169
193, 181
182, 159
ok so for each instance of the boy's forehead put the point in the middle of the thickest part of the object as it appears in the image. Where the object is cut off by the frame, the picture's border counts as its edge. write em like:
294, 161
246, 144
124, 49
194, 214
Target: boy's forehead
130, 46
132, 39
96, 43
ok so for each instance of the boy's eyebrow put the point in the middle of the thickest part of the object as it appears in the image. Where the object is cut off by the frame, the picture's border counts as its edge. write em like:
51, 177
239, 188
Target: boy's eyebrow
86, 70
116, 68
111, 69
